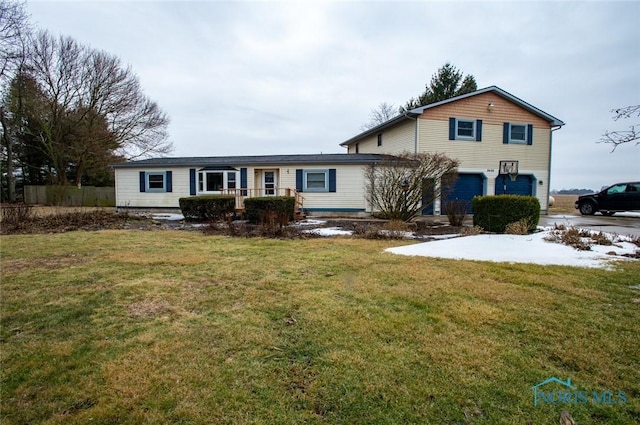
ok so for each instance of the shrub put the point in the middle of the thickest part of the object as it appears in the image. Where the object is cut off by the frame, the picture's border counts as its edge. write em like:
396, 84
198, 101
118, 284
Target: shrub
15, 216
270, 210
494, 213
471, 231
520, 227
207, 208
456, 211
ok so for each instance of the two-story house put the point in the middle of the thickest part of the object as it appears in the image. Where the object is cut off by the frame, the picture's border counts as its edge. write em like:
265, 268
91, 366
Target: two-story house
502, 142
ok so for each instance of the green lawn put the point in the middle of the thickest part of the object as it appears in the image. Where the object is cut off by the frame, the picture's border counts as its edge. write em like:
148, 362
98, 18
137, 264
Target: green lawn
134, 327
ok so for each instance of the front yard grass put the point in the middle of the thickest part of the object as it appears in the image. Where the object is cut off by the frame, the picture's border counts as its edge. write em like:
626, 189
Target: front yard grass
134, 327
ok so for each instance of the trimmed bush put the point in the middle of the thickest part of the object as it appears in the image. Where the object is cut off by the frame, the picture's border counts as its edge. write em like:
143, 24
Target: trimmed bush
495, 213
207, 208
271, 210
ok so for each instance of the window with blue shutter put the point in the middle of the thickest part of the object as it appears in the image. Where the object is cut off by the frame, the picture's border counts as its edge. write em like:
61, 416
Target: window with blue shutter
243, 181
518, 134
478, 130
299, 186
192, 181
332, 179
156, 181
316, 180
465, 129
169, 181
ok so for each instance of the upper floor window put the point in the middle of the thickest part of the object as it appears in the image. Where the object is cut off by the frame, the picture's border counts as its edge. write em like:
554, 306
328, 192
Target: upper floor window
515, 133
465, 129
379, 139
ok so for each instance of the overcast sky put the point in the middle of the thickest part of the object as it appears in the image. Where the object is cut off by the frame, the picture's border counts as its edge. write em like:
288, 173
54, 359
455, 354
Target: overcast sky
253, 78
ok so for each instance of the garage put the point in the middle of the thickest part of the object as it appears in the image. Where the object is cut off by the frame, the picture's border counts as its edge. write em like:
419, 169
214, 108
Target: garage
466, 187
523, 185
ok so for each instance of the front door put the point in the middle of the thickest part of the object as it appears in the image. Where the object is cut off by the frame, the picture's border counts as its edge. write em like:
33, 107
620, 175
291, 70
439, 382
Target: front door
269, 183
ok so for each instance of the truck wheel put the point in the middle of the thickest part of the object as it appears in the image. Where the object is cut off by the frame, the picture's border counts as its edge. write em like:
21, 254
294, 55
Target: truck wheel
587, 208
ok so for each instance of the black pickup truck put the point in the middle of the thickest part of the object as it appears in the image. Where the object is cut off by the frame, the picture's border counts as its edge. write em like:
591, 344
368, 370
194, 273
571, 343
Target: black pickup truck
616, 198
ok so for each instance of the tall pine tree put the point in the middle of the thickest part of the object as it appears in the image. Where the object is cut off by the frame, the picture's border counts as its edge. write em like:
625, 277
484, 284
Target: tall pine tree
446, 83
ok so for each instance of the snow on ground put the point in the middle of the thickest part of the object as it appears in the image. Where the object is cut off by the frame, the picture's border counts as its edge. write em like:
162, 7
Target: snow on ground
167, 216
628, 214
329, 231
517, 249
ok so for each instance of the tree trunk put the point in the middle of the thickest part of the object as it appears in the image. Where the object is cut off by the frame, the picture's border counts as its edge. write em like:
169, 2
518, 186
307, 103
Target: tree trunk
11, 180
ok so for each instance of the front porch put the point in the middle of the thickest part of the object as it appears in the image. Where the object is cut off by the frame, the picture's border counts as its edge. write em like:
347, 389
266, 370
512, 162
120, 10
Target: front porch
242, 194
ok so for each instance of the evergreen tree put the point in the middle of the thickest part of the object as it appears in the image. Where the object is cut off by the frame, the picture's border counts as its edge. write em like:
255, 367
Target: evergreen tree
446, 83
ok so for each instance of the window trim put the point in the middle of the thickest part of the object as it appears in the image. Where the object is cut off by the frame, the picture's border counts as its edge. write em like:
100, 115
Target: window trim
476, 129
528, 134
473, 129
306, 172
513, 141
162, 189
202, 180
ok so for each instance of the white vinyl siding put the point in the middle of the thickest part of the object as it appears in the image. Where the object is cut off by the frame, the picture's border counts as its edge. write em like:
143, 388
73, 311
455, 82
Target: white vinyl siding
128, 192
397, 139
349, 194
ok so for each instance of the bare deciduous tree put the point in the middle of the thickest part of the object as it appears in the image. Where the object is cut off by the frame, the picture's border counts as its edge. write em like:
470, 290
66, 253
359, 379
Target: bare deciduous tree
94, 106
401, 186
13, 30
379, 115
620, 137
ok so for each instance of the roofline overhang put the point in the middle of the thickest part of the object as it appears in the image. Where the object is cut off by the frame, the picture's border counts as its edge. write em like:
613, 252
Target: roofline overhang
262, 161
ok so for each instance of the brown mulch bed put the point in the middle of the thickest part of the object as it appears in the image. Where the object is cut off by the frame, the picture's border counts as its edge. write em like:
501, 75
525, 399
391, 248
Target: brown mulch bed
67, 222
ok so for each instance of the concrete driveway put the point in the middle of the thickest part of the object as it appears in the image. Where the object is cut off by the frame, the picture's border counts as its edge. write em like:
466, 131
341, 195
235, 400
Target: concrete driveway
621, 223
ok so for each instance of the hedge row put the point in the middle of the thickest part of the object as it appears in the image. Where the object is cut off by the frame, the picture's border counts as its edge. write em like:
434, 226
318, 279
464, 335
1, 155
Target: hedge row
495, 213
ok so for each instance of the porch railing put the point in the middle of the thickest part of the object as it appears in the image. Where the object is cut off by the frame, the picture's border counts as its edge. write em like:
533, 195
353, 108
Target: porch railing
242, 194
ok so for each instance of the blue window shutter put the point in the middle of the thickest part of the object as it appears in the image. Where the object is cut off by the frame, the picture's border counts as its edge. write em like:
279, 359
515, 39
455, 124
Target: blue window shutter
452, 129
299, 180
169, 181
243, 180
530, 134
192, 181
332, 179
505, 133
143, 181
478, 130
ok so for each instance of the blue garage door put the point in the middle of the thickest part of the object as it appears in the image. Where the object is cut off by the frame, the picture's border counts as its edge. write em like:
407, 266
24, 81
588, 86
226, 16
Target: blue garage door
522, 186
466, 187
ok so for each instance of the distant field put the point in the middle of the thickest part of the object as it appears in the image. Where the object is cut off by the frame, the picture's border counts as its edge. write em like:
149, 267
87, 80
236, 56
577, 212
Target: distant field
564, 205
175, 327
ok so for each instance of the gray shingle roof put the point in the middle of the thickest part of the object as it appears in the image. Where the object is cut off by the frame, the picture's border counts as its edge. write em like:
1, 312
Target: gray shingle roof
261, 160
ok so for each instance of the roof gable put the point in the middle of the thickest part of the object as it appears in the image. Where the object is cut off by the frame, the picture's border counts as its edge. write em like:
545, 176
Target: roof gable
413, 113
